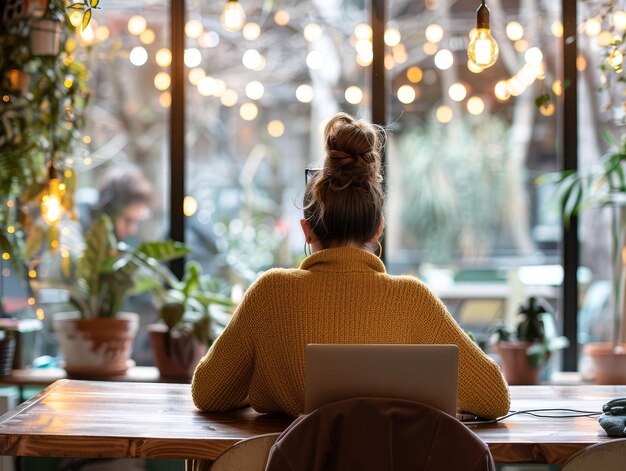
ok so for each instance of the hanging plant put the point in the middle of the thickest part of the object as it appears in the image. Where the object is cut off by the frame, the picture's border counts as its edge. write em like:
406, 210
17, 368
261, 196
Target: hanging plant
44, 99
86, 7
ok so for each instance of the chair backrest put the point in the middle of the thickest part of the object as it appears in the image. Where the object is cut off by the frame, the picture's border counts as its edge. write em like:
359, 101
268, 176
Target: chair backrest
378, 433
247, 455
606, 456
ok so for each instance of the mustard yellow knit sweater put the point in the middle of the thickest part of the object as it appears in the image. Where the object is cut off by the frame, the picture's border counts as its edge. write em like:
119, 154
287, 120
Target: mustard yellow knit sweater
338, 295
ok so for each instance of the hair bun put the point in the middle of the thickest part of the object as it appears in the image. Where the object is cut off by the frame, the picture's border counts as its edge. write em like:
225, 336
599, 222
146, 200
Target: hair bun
352, 152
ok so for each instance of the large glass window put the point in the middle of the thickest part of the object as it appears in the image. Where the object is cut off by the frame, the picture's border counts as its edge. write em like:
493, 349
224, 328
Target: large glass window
464, 211
600, 110
257, 99
126, 51
465, 147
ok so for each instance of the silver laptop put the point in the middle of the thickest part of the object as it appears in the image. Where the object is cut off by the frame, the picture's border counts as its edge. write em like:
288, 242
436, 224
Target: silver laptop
421, 373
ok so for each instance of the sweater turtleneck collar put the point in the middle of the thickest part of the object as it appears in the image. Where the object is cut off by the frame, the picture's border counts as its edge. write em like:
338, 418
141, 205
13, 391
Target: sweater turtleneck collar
343, 259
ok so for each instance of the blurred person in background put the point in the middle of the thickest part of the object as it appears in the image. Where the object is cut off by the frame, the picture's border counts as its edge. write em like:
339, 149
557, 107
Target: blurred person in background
126, 195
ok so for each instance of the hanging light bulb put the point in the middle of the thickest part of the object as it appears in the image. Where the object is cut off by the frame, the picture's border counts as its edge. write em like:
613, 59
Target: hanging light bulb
483, 49
233, 17
51, 201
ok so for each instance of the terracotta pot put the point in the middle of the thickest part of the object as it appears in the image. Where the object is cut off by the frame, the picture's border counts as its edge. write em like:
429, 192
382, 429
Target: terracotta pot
45, 37
175, 354
515, 363
97, 347
608, 366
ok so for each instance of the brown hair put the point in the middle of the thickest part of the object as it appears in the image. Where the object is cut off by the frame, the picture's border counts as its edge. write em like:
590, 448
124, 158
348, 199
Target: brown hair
122, 186
343, 202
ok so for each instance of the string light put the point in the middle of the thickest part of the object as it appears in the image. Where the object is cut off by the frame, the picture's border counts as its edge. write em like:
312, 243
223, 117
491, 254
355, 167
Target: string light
475, 105
616, 58
353, 95
194, 29
190, 205
138, 56
434, 33
406, 94
233, 17
305, 93
251, 31
276, 128
137, 24
514, 31
483, 48
457, 91
414, 74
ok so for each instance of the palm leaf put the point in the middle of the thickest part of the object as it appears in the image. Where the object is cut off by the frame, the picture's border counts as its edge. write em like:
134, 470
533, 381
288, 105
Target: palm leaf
609, 138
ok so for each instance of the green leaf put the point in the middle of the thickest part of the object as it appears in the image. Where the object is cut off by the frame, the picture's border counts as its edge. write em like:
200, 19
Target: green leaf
572, 201
608, 137
557, 343
146, 284
172, 313
150, 264
164, 251
191, 279
542, 100
98, 248
86, 18
537, 355
208, 299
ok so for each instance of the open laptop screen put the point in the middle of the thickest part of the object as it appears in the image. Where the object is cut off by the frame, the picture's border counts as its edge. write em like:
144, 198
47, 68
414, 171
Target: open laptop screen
421, 373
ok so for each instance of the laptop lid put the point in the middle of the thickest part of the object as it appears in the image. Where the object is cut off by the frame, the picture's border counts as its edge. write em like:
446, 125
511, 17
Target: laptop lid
421, 373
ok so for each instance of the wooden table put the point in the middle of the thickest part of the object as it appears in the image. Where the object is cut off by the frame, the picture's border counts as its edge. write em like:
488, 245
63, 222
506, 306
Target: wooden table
91, 419
46, 376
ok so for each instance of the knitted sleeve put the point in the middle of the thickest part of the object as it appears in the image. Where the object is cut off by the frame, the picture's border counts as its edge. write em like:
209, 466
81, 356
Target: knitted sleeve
222, 378
482, 388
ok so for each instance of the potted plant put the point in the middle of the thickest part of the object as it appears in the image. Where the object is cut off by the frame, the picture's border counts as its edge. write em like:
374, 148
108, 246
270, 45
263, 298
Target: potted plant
603, 185
527, 350
187, 310
96, 340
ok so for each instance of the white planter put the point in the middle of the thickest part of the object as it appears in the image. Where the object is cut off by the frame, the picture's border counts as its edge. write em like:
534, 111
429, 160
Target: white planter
96, 347
45, 37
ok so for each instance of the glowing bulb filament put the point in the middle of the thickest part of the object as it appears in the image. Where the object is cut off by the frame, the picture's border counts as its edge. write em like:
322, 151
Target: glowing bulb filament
51, 205
233, 17
52, 201
483, 51
483, 48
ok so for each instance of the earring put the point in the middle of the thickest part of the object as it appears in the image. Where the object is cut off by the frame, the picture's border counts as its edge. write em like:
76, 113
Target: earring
380, 249
307, 252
